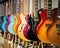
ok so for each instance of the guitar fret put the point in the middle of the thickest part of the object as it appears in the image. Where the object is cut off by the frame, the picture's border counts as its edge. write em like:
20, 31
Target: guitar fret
58, 8
49, 8
12, 4
17, 7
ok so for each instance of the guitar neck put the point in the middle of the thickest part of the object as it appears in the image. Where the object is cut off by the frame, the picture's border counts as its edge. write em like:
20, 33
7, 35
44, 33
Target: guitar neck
45, 4
58, 14
12, 6
18, 7
49, 8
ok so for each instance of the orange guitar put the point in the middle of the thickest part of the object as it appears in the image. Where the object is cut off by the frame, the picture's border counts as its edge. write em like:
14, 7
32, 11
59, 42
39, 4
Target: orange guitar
53, 32
45, 22
17, 19
23, 23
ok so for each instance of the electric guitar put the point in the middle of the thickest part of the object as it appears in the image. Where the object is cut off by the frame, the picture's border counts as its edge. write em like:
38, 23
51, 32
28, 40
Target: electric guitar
4, 19
31, 33
17, 19
53, 32
22, 25
8, 18
11, 19
45, 21
1, 19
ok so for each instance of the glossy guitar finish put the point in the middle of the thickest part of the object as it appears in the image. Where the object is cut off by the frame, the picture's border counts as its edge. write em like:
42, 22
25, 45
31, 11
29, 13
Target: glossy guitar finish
4, 23
53, 32
11, 24
21, 28
39, 22
7, 23
31, 34
25, 30
1, 19
17, 22
42, 28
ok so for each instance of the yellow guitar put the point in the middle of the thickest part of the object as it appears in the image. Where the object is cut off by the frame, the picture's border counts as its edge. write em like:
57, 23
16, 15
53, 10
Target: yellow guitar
23, 23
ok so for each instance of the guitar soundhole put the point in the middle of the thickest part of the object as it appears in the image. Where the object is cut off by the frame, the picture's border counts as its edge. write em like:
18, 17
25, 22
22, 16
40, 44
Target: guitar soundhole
47, 25
57, 25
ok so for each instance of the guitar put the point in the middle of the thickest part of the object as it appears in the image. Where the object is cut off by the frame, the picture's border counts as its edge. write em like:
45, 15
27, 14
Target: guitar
11, 19
31, 33
53, 32
8, 18
22, 25
17, 19
4, 19
45, 22
8, 21
1, 20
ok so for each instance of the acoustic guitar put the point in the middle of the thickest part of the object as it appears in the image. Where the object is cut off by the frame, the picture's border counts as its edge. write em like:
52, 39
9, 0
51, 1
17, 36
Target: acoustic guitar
23, 24
53, 32
11, 19
45, 21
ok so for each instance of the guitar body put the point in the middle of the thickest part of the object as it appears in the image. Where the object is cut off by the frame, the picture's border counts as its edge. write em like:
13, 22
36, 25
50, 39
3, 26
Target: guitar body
1, 21
17, 22
26, 26
4, 23
42, 28
11, 24
39, 22
53, 32
31, 34
7, 23
21, 27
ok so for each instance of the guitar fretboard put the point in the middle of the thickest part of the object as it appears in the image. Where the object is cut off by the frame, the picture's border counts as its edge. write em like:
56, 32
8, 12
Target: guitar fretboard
18, 6
58, 8
12, 4
49, 8
45, 4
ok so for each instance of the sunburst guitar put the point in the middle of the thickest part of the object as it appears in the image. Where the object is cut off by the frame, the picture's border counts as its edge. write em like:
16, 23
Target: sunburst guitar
44, 23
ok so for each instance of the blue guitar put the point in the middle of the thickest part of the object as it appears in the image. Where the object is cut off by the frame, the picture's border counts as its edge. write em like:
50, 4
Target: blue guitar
4, 20
1, 20
11, 18
11, 24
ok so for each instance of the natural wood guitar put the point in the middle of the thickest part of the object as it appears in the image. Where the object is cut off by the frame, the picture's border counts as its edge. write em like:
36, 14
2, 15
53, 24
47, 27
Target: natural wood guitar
53, 32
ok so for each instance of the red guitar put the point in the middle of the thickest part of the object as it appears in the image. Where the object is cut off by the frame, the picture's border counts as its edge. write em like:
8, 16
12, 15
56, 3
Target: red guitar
8, 17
